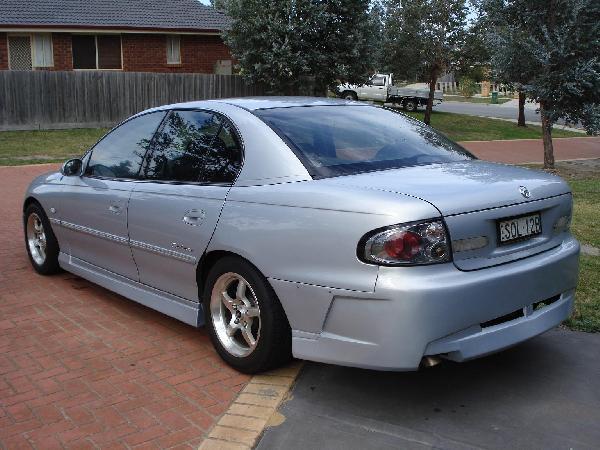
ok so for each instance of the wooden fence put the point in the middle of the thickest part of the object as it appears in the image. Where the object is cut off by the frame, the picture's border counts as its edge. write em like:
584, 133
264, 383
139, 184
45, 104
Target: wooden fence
42, 99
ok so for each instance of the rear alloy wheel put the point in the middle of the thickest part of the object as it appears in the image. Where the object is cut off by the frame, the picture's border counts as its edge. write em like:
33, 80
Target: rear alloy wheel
235, 314
410, 105
42, 246
244, 318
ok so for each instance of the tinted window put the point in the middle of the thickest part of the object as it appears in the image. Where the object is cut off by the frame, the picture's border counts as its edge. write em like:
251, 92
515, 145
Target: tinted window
120, 153
339, 140
194, 146
84, 51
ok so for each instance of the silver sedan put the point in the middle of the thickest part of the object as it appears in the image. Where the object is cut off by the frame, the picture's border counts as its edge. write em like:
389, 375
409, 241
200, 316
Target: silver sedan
328, 230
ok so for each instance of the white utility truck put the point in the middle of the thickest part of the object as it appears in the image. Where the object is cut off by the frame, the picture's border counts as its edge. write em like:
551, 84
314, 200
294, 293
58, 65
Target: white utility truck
380, 88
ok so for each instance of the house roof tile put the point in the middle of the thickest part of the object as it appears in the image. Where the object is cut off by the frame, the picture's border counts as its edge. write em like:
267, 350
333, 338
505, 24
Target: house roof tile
129, 14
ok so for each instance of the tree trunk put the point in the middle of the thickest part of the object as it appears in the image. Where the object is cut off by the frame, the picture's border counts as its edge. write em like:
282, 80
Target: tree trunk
547, 137
432, 83
521, 120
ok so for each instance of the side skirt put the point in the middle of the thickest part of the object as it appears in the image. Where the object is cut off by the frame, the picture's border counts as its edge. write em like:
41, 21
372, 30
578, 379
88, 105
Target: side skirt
171, 305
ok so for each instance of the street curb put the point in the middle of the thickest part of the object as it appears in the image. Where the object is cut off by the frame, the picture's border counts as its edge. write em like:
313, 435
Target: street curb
254, 409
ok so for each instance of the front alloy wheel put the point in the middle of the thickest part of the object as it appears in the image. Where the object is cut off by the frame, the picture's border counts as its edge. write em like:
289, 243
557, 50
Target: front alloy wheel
36, 239
40, 241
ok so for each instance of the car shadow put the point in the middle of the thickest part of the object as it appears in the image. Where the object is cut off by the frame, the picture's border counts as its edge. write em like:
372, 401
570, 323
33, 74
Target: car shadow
548, 385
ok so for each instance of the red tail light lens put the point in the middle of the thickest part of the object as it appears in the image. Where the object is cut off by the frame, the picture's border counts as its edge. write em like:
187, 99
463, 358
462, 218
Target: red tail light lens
406, 244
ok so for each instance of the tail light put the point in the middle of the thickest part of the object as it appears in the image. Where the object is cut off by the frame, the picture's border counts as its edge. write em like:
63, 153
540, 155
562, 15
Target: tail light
406, 244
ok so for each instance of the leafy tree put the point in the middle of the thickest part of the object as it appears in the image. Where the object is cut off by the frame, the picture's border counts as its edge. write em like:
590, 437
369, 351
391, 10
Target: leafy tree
280, 42
219, 4
473, 58
424, 37
468, 87
552, 49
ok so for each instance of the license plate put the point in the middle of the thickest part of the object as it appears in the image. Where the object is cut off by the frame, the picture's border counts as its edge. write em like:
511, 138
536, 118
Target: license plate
519, 228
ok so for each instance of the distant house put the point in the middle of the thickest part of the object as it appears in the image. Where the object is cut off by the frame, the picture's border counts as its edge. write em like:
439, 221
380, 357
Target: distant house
125, 35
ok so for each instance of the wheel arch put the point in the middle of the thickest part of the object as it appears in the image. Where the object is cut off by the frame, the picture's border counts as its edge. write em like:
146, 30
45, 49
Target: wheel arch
209, 259
349, 91
28, 201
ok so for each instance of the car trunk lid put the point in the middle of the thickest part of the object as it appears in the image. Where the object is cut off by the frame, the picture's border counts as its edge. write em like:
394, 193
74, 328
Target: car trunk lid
473, 196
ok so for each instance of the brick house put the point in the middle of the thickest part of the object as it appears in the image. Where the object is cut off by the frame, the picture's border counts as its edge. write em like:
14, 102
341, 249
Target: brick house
122, 35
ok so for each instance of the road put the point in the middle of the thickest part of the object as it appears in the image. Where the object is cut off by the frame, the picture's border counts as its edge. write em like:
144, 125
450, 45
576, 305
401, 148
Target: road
505, 111
485, 110
544, 393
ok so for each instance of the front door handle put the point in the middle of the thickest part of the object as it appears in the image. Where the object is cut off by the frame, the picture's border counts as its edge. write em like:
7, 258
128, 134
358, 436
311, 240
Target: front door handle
194, 217
116, 209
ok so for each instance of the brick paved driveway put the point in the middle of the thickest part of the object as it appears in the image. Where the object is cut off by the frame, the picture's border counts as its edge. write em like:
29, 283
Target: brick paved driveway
81, 367
521, 151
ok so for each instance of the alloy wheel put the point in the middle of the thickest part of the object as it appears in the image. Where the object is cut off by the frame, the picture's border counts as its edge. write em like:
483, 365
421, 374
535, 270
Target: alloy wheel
36, 239
235, 314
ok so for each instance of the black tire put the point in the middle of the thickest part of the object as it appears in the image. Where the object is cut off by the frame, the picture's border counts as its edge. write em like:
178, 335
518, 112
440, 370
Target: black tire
349, 95
410, 105
274, 344
49, 265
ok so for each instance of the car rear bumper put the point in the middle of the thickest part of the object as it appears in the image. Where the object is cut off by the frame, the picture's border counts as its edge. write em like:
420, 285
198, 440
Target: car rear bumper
440, 310
477, 341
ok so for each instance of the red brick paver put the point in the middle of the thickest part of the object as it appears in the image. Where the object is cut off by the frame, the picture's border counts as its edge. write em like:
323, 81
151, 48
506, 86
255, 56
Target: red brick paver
531, 150
81, 367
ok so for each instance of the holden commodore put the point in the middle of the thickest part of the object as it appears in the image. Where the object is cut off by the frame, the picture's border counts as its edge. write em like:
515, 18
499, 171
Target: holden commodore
329, 230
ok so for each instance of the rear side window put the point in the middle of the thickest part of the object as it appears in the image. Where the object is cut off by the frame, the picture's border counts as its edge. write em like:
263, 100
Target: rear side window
342, 140
121, 153
194, 146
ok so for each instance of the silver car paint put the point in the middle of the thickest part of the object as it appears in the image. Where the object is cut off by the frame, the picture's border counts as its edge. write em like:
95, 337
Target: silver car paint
93, 215
302, 235
167, 243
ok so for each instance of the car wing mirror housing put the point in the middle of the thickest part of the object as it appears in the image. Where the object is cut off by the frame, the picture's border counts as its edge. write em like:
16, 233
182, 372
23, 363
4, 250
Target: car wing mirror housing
72, 167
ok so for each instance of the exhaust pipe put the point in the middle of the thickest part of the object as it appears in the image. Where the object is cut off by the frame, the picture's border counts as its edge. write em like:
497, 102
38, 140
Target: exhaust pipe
430, 361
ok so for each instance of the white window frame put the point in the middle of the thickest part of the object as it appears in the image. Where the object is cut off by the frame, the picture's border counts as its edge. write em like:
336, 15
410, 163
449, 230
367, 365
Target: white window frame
171, 38
96, 48
33, 42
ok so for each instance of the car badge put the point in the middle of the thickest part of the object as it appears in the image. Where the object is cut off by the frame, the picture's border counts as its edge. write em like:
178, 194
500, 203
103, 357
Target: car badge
524, 191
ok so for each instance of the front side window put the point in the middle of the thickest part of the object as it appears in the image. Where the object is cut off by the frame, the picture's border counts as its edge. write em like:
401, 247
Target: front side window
342, 140
121, 152
194, 146
96, 52
378, 81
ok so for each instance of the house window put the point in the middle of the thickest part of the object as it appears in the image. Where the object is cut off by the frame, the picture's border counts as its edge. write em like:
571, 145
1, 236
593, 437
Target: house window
42, 50
19, 52
96, 52
173, 50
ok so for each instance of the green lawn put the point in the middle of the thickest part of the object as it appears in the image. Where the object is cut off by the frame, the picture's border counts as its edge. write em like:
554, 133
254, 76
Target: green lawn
584, 178
586, 218
460, 127
460, 98
30, 147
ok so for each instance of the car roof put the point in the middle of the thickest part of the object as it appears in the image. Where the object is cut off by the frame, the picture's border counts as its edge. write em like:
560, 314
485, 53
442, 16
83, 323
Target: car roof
257, 103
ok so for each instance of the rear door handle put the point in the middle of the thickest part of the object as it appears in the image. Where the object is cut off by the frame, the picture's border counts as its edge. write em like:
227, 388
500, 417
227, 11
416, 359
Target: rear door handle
194, 217
116, 209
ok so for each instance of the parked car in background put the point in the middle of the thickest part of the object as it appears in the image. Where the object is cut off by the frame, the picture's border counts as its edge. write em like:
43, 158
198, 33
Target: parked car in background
330, 230
380, 88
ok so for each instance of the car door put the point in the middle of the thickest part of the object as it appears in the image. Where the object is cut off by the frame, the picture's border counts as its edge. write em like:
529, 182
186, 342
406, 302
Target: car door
379, 88
94, 205
175, 207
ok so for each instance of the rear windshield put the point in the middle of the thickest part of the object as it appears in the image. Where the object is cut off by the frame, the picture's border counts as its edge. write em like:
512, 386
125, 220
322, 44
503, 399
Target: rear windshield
343, 140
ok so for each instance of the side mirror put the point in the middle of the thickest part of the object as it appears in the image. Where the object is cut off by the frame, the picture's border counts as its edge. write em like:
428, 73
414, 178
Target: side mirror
72, 167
